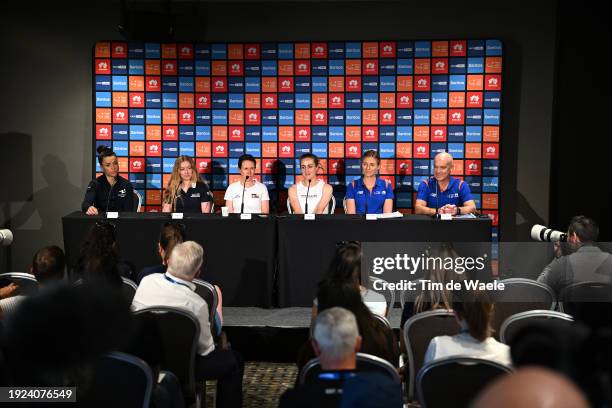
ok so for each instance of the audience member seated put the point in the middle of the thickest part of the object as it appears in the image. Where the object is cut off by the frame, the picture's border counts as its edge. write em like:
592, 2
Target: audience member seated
175, 288
474, 311
421, 301
531, 387
346, 268
99, 259
55, 338
47, 266
579, 259
375, 339
169, 235
336, 341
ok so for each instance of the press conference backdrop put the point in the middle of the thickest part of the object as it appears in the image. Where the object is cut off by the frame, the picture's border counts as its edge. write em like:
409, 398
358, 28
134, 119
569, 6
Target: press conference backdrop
407, 99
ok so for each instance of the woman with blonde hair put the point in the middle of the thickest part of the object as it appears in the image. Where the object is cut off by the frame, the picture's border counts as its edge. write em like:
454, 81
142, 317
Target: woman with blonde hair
186, 191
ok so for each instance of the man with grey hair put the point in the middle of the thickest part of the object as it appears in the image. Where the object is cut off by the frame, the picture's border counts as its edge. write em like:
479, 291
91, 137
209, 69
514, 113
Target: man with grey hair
336, 339
176, 289
443, 194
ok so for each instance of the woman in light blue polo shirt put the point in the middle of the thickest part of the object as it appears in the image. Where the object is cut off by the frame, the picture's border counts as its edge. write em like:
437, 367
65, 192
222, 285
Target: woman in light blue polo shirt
369, 194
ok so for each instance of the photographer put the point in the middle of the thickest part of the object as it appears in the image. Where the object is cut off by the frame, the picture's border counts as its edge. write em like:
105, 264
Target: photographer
578, 259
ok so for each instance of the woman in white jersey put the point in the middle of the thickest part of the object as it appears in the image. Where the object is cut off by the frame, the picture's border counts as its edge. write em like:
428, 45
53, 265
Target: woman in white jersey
319, 193
256, 199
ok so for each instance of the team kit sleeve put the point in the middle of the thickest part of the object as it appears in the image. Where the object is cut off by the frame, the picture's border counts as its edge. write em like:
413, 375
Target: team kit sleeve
423, 191
389, 191
90, 196
228, 193
264, 193
128, 201
350, 191
464, 193
204, 193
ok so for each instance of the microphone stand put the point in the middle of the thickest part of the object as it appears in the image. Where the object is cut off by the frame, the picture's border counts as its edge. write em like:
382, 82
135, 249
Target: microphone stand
243, 189
307, 191
436, 216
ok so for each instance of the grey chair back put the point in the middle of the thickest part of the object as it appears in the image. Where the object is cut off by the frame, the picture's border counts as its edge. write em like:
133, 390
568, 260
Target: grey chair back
365, 363
28, 285
129, 289
418, 332
520, 295
462, 379
515, 323
388, 294
208, 292
119, 380
179, 332
137, 201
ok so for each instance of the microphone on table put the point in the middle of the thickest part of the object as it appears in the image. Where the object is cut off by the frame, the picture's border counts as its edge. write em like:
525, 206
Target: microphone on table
243, 189
436, 216
307, 191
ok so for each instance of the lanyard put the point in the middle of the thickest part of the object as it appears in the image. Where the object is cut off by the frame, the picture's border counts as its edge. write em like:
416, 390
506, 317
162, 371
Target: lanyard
169, 279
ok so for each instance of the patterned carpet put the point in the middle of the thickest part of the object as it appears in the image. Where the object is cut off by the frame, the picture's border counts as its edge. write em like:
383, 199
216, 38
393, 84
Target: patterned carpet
263, 384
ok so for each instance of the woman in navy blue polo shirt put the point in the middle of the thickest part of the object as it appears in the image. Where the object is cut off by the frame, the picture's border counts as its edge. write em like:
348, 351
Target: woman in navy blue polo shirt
186, 192
369, 194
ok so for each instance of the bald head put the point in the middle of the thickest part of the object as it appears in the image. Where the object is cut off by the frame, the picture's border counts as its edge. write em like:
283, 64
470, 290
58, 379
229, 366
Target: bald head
443, 165
532, 387
444, 158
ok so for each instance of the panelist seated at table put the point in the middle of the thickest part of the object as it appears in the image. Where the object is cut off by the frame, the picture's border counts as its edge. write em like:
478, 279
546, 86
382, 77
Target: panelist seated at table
369, 194
310, 191
256, 199
186, 191
110, 191
447, 194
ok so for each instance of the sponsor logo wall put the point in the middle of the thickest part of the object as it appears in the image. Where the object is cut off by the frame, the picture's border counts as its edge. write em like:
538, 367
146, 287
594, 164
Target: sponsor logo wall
407, 99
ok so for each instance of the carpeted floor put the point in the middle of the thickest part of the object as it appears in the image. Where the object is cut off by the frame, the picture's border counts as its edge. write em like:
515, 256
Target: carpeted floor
263, 384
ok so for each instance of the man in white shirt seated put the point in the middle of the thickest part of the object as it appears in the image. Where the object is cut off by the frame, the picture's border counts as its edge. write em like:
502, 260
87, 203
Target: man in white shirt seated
175, 288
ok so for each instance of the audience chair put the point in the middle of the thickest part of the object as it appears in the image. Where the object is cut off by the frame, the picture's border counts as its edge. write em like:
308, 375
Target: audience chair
137, 201
383, 322
28, 285
212, 202
455, 381
129, 289
588, 302
520, 295
389, 294
179, 332
365, 363
208, 292
120, 380
515, 323
418, 332
583, 292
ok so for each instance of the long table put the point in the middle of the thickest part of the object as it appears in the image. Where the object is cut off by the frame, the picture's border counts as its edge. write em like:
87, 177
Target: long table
239, 255
242, 256
306, 248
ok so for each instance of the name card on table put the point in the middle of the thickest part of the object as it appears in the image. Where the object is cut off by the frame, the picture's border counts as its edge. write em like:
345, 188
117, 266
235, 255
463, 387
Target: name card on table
309, 216
244, 216
177, 216
371, 217
112, 214
446, 216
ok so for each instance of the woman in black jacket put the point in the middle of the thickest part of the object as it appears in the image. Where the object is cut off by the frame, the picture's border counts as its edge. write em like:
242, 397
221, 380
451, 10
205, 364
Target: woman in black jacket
110, 191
